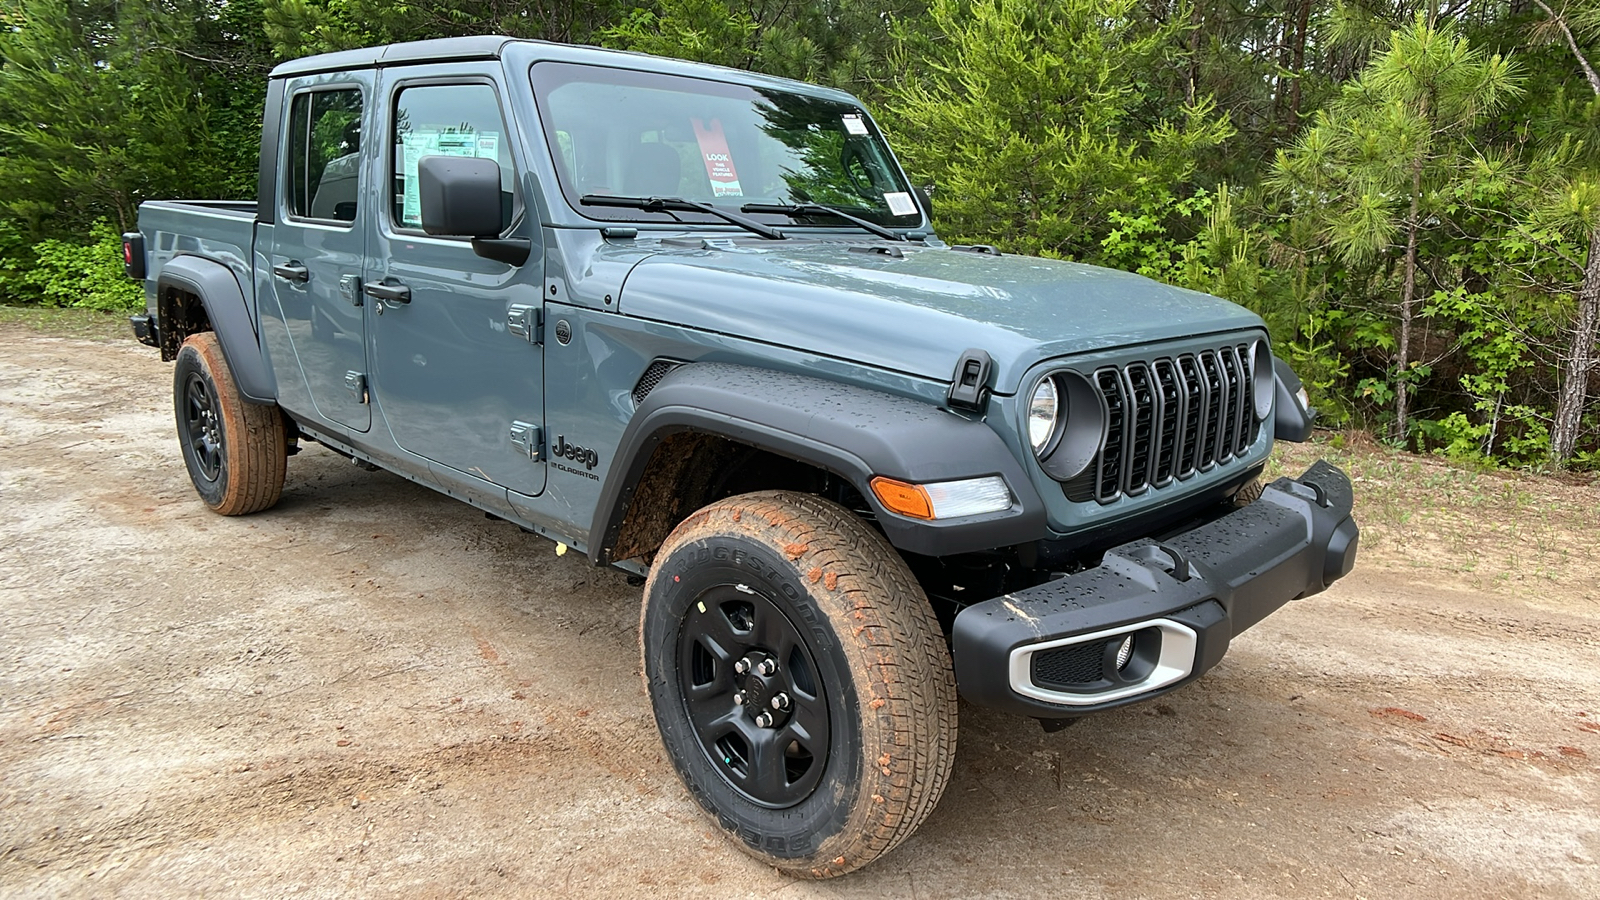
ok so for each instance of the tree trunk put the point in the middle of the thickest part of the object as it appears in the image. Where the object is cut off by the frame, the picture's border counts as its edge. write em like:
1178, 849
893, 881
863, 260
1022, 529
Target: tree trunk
1298, 63
1580, 361
1402, 360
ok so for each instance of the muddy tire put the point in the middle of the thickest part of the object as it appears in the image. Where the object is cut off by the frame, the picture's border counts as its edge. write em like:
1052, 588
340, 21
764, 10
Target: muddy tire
800, 681
1250, 493
236, 452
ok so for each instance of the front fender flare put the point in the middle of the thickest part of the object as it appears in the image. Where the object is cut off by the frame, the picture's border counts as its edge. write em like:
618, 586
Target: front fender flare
229, 314
854, 432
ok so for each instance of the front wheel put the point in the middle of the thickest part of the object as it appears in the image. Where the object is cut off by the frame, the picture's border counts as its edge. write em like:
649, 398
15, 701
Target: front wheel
800, 681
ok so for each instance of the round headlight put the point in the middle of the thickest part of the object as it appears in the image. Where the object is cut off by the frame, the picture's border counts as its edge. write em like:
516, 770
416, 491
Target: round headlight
1043, 409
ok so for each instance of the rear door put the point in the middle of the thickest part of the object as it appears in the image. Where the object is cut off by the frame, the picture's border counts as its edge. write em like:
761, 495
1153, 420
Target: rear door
318, 253
458, 368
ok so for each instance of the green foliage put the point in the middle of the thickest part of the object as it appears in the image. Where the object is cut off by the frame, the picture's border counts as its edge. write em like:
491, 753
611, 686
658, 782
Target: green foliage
1029, 118
104, 105
85, 276
1299, 157
842, 43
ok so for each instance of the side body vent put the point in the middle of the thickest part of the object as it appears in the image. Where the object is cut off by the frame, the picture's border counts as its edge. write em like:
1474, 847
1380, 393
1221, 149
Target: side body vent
652, 376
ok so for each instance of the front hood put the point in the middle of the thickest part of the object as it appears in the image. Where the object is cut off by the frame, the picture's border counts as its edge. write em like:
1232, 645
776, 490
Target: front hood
918, 312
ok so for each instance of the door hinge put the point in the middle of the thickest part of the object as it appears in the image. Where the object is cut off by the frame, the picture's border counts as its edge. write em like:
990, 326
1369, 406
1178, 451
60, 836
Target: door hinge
528, 438
350, 289
526, 322
356, 383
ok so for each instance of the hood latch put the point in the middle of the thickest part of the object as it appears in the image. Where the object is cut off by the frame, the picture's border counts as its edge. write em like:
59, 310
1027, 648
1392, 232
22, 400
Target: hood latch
971, 380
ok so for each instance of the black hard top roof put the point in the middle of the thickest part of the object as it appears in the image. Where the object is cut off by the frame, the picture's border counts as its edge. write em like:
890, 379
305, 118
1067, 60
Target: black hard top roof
437, 50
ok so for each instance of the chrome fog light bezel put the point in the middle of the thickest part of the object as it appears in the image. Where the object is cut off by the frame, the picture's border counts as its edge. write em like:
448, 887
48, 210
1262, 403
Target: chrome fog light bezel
1179, 644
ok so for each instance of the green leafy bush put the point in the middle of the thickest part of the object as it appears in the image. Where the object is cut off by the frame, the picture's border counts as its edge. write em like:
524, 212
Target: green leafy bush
85, 276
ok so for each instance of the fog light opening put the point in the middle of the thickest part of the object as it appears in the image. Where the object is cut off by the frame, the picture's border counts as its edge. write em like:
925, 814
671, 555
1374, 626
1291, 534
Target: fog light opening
1124, 652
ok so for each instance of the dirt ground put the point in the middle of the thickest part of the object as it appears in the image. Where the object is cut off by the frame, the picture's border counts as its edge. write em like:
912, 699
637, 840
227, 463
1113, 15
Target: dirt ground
372, 690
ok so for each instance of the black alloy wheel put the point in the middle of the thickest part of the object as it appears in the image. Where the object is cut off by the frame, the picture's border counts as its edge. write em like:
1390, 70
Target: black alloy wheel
203, 427
236, 451
752, 693
800, 680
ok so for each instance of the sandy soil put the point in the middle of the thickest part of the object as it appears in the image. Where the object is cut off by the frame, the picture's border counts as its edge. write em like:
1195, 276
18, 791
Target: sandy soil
372, 690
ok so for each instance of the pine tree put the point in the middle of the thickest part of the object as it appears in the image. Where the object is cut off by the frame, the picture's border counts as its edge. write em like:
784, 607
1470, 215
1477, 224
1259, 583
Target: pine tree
1580, 360
1374, 170
1036, 121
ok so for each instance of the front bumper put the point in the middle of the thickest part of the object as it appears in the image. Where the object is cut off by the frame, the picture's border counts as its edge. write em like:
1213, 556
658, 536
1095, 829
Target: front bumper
1155, 615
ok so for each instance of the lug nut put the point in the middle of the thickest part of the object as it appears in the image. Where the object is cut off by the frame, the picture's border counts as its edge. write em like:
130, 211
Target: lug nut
780, 701
738, 698
741, 667
764, 720
767, 667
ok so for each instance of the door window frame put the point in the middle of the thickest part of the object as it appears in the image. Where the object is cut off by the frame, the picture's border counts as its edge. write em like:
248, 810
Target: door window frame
286, 155
519, 203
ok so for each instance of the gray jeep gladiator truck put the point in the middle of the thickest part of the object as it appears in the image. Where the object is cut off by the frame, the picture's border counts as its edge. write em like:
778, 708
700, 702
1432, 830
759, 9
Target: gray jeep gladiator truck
695, 323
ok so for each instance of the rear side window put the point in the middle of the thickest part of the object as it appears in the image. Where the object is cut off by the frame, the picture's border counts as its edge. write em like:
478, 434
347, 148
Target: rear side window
448, 120
324, 155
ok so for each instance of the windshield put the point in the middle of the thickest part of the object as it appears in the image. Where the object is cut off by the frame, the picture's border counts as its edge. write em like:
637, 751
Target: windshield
641, 134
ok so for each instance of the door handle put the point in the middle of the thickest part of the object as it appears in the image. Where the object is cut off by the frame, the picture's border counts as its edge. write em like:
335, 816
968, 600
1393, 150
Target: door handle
392, 293
292, 272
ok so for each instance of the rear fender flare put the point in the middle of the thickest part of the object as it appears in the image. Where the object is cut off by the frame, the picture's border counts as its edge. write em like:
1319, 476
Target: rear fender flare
229, 314
853, 432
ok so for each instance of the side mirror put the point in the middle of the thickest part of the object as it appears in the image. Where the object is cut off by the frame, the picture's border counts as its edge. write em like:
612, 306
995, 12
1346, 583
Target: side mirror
459, 195
925, 197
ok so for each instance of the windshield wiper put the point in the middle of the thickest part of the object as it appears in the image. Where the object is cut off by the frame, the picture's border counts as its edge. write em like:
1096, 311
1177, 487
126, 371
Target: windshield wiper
817, 209
669, 204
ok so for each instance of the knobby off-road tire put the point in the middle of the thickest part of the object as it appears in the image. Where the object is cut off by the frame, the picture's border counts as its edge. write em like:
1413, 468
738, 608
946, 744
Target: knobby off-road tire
819, 609
236, 452
1250, 493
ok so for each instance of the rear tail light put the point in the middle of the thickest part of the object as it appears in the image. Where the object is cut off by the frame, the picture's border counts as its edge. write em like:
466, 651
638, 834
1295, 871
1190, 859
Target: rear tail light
133, 255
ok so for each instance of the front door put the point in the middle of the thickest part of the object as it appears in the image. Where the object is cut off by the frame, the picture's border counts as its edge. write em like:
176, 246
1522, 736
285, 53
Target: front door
318, 248
458, 372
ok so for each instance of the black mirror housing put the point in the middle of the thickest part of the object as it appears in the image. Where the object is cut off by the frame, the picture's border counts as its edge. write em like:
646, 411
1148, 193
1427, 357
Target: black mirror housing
459, 196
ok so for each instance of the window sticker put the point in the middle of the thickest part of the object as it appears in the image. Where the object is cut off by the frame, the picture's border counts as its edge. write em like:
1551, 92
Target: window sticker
854, 124
719, 162
901, 204
423, 142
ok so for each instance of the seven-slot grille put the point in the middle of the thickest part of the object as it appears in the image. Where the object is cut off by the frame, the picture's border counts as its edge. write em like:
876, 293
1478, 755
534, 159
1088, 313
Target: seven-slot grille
1167, 419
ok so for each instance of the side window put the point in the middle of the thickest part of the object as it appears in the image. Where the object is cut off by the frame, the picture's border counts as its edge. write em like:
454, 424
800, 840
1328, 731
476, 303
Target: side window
448, 120
324, 155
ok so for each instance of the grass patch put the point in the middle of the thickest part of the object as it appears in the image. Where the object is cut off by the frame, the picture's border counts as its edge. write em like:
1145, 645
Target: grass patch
85, 324
1496, 529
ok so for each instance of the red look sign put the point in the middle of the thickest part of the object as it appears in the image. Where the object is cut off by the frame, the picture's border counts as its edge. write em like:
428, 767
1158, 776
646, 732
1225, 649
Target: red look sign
719, 162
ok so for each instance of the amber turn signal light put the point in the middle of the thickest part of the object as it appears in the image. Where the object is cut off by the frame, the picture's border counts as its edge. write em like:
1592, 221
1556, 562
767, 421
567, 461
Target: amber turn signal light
909, 500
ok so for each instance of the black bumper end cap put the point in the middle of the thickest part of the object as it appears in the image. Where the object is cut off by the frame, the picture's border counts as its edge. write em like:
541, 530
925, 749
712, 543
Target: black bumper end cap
146, 330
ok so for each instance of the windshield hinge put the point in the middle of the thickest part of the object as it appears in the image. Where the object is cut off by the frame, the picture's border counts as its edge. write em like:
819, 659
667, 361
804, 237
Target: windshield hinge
970, 382
526, 322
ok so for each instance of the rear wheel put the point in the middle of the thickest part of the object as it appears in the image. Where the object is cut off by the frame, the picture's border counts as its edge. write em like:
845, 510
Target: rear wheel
236, 452
799, 679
